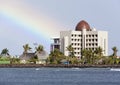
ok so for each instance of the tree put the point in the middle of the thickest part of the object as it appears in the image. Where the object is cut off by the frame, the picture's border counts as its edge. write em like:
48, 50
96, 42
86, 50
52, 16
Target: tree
98, 54
55, 57
26, 48
115, 51
15, 60
5, 52
99, 51
39, 49
87, 56
71, 51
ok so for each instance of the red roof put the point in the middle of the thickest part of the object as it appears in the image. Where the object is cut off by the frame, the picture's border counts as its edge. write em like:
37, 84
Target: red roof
82, 24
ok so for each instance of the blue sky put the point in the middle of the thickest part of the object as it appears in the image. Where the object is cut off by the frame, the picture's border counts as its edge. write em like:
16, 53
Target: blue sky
62, 14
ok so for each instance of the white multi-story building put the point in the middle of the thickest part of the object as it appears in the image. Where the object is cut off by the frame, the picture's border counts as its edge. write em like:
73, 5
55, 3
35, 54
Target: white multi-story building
82, 38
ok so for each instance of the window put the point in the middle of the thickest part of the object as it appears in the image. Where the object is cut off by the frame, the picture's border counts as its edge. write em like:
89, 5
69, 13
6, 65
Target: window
96, 40
90, 40
96, 35
86, 44
89, 44
96, 44
80, 35
81, 45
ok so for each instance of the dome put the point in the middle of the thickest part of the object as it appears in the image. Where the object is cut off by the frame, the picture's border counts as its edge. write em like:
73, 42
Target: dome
82, 25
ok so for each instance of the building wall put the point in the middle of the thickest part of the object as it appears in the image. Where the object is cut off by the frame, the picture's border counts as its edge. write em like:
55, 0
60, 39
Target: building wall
103, 41
64, 41
84, 40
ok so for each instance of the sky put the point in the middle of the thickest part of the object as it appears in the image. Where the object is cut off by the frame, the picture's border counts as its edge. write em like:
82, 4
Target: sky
37, 21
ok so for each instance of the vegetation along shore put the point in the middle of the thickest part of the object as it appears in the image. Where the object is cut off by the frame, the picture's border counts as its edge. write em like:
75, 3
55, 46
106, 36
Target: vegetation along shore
40, 58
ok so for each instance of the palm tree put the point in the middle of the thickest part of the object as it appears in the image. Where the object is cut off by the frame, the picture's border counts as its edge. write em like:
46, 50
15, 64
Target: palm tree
71, 51
87, 56
115, 51
56, 56
98, 54
5, 52
26, 48
39, 49
99, 51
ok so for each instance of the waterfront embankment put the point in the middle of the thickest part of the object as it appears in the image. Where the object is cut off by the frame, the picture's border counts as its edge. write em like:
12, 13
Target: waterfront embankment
56, 66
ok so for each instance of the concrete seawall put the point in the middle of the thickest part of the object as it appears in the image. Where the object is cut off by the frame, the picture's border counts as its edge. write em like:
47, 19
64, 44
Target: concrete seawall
56, 66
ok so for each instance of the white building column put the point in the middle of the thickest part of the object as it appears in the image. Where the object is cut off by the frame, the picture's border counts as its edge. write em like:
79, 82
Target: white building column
83, 38
66, 52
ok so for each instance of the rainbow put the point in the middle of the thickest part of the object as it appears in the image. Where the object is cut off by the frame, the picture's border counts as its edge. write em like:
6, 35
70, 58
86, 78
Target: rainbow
30, 19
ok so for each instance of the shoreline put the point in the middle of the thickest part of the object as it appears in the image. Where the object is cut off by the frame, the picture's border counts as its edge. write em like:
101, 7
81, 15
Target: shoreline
56, 66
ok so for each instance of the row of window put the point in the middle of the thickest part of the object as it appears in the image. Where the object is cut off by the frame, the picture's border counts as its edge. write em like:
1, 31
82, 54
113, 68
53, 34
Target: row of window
87, 44
81, 49
78, 44
86, 40
91, 49
75, 35
93, 35
91, 40
76, 40
91, 44
77, 53
87, 49
77, 48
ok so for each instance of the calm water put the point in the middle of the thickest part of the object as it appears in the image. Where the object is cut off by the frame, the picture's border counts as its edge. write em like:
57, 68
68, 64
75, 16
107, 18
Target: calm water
59, 76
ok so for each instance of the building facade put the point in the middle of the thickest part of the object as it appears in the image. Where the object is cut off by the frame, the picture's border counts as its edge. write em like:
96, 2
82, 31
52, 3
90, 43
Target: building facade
83, 37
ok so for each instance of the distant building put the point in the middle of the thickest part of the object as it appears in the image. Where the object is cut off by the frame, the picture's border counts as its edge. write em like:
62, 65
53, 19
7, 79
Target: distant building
83, 37
55, 44
42, 56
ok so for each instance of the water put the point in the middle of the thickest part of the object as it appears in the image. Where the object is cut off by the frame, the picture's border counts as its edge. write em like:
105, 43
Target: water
59, 76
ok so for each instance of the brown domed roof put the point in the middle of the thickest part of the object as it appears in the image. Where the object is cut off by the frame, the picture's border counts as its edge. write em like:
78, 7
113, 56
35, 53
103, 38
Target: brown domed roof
82, 24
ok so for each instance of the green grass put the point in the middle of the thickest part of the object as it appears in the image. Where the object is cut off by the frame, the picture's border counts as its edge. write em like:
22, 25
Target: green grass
4, 62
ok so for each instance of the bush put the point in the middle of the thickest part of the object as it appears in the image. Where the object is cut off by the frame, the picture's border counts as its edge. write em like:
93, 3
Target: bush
4, 62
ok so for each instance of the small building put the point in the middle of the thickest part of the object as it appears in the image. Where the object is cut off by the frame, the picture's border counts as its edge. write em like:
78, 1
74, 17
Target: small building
26, 56
42, 56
